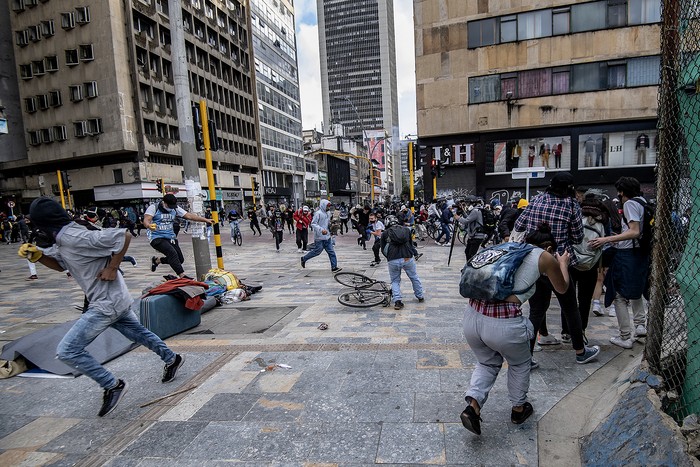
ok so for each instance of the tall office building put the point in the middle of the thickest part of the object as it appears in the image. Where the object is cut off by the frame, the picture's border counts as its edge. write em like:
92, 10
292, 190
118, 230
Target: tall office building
277, 82
358, 77
562, 85
97, 91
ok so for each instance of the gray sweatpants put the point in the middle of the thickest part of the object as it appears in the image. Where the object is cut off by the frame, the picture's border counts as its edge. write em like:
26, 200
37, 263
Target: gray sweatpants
492, 340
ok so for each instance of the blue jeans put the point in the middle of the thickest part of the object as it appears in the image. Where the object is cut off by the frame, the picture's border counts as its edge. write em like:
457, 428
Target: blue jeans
92, 323
395, 267
319, 246
445, 231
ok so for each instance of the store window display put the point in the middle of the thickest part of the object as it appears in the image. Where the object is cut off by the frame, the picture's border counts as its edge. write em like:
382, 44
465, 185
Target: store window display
617, 149
551, 153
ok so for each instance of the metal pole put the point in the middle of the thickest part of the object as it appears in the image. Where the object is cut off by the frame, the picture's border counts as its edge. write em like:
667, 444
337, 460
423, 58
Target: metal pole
411, 194
210, 181
527, 189
188, 151
252, 190
60, 189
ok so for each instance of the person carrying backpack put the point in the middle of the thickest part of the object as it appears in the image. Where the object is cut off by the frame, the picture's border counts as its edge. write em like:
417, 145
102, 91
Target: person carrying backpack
493, 323
627, 277
473, 222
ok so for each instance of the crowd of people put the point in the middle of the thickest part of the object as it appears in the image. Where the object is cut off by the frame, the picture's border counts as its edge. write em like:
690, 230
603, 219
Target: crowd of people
592, 253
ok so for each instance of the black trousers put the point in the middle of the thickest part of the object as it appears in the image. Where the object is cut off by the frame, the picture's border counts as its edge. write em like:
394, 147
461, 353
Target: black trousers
302, 238
472, 247
171, 250
254, 225
539, 303
584, 281
375, 249
344, 222
279, 237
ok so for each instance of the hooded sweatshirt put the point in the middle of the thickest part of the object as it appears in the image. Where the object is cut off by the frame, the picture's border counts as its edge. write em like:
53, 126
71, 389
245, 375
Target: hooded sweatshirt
321, 221
398, 239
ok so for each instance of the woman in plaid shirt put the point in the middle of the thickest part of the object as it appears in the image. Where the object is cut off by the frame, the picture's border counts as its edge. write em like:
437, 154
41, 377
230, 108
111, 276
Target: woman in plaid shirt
497, 330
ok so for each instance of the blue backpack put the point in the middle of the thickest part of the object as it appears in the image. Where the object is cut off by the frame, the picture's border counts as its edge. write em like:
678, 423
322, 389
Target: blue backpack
490, 274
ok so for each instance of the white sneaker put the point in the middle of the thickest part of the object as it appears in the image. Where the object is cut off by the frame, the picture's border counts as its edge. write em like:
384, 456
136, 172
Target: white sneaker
537, 348
620, 342
548, 340
299, 250
640, 331
611, 311
596, 309
438, 243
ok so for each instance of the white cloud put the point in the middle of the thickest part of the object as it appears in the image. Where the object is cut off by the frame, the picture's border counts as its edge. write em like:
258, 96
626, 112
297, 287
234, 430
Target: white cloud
310, 67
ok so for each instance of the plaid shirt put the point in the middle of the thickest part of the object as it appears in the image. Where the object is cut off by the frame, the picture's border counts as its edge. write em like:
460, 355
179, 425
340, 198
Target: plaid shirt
500, 310
562, 214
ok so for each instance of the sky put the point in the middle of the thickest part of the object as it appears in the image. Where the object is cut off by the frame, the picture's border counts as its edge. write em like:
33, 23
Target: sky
310, 68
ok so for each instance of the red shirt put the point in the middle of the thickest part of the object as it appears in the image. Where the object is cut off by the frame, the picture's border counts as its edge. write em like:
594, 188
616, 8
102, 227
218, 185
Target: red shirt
500, 310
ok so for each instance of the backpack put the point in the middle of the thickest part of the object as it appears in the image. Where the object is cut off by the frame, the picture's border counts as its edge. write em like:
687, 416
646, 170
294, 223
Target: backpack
645, 241
490, 274
586, 256
489, 218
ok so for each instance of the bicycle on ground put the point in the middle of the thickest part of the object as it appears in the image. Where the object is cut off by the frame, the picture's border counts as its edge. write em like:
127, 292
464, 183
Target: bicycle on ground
362, 291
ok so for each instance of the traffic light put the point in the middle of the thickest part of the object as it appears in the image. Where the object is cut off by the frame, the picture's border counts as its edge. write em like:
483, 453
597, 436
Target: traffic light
256, 185
424, 155
440, 169
65, 178
159, 185
213, 137
433, 168
198, 133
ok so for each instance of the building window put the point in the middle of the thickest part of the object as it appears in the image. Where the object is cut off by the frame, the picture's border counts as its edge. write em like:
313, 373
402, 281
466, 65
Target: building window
34, 33
118, 175
589, 77
68, 20
47, 28
72, 57
82, 14
552, 153
644, 11
534, 24
51, 63
46, 135
509, 85
617, 13
94, 126
42, 101
34, 138
481, 33
509, 28
30, 104
560, 80
59, 133
25, 71
22, 38
236, 180
617, 75
55, 99
18, 6
561, 21
76, 92
86, 53
588, 16
618, 149
90, 89
38, 68
535, 83
80, 129
644, 71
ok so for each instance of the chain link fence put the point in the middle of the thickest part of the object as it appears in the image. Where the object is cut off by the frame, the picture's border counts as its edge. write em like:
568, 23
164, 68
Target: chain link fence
673, 343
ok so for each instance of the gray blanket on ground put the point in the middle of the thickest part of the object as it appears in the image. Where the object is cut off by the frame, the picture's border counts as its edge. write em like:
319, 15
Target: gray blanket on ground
39, 348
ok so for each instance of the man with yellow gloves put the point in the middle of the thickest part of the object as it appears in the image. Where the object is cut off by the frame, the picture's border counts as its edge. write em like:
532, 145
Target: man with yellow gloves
93, 257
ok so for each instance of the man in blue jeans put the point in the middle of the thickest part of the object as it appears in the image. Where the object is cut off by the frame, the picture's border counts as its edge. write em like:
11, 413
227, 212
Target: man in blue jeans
398, 248
445, 221
322, 236
93, 257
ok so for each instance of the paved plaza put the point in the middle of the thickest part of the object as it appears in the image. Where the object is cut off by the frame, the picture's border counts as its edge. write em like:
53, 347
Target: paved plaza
379, 386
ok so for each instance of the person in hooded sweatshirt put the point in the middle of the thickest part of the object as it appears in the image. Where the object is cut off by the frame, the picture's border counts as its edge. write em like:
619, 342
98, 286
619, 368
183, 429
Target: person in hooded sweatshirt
322, 236
93, 257
398, 248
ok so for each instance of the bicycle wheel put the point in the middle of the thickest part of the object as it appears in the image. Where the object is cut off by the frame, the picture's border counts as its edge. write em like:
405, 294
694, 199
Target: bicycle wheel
353, 279
432, 231
462, 236
361, 298
238, 239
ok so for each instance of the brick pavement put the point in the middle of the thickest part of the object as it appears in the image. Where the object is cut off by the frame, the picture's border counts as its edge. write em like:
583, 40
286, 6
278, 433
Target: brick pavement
378, 387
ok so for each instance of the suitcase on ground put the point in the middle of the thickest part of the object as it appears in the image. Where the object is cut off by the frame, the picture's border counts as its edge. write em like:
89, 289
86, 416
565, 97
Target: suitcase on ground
166, 316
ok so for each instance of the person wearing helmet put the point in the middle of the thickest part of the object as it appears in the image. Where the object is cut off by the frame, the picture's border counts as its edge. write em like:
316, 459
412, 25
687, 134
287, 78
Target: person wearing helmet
398, 249
375, 228
234, 219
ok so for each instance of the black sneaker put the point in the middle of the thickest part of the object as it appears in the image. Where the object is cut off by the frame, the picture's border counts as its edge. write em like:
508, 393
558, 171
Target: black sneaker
303, 263
398, 304
154, 265
112, 398
520, 417
170, 370
417, 257
336, 269
421, 299
470, 420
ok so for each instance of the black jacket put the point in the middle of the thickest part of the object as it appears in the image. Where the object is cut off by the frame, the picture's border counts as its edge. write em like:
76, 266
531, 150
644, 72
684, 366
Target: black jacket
507, 222
398, 239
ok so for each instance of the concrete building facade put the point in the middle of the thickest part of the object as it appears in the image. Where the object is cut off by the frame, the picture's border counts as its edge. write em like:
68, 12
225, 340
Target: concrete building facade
358, 75
97, 92
277, 82
564, 85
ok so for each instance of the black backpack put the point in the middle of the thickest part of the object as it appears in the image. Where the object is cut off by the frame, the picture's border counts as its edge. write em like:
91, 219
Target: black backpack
645, 242
489, 219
